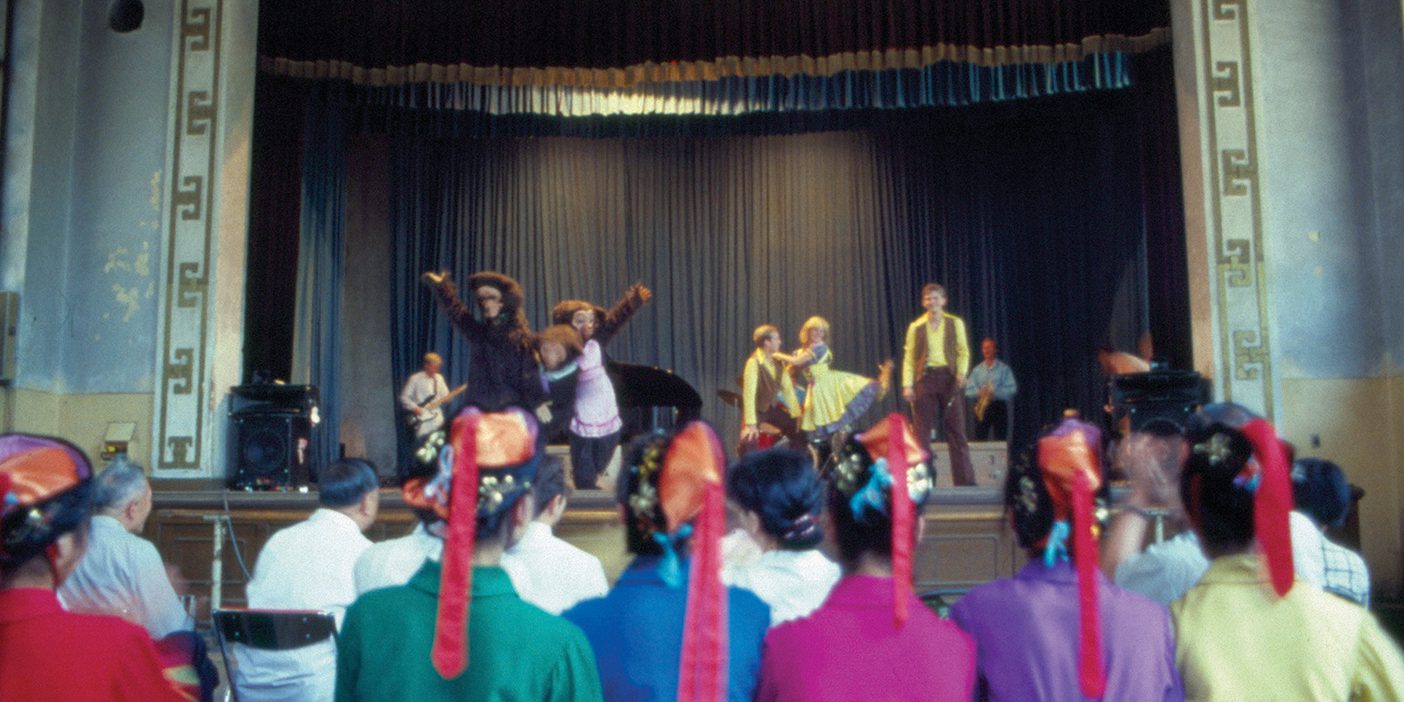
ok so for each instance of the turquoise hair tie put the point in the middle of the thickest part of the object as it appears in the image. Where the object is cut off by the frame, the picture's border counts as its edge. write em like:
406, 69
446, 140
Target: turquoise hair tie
1057, 548
871, 495
668, 567
438, 488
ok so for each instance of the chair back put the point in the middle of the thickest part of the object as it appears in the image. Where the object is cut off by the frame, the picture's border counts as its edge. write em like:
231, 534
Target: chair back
940, 601
270, 630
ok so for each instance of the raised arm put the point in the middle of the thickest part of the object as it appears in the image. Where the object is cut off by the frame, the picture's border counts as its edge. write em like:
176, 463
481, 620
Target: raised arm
634, 298
798, 359
459, 314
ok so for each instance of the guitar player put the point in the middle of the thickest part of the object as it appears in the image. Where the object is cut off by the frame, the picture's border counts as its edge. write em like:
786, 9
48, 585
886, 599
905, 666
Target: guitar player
423, 397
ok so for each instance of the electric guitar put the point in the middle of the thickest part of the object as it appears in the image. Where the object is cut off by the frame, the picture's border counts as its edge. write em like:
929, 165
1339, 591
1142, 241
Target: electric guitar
430, 405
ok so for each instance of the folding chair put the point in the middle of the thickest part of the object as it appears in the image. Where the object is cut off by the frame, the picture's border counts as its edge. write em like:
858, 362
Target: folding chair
940, 601
270, 630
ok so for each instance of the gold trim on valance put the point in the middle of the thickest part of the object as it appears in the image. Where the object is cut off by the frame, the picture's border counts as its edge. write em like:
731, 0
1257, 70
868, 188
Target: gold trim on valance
721, 68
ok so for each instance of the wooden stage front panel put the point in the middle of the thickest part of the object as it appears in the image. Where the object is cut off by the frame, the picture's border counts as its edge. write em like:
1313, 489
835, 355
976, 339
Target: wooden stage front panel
967, 542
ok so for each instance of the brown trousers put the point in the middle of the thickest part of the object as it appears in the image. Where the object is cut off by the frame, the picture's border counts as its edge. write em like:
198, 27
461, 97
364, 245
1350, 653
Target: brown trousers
938, 396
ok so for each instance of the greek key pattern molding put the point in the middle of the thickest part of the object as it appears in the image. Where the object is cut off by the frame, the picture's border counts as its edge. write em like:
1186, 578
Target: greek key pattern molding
181, 396
1235, 221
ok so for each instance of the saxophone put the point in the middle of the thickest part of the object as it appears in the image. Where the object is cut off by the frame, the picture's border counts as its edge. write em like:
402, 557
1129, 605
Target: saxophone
982, 405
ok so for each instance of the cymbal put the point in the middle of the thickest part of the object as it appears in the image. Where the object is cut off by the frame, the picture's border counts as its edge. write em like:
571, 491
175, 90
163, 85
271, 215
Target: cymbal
729, 397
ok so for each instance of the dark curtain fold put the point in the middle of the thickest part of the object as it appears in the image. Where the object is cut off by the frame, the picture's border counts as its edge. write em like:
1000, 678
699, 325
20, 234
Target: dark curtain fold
322, 251
619, 33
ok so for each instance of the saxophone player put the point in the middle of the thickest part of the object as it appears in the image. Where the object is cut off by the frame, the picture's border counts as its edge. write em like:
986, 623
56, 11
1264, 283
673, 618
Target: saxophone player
991, 386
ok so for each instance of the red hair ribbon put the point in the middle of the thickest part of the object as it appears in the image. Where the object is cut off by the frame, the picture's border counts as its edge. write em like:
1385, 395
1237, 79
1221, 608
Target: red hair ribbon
894, 440
901, 520
450, 652
691, 486
1072, 473
1272, 502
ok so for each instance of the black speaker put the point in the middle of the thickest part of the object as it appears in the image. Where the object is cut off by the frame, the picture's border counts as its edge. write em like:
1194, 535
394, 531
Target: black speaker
270, 450
1170, 395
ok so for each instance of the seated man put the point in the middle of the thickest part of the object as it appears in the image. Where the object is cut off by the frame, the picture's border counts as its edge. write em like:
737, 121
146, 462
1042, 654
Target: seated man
547, 571
872, 639
122, 574
991, 386
1247, 631
308, 566
394, 561
1124, 649
45, 652
458, 630
672, 501
1322, 496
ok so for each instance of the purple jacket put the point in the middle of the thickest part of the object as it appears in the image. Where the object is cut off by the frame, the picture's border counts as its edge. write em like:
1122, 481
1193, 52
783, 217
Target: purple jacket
1025, 631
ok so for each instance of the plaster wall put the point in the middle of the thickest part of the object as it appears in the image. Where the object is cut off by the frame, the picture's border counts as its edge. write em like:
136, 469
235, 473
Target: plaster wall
1353, 421
83, 419
1331, 137
115, 208
39, 185
1382, 60
1317, 175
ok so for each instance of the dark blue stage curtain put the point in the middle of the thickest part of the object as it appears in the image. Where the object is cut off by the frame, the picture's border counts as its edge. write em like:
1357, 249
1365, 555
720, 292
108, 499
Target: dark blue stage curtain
1055, 223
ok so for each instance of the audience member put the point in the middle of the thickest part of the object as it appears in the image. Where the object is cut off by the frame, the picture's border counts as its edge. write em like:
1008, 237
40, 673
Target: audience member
1151, 457
122, 574
673, 504
1036, 636
547, 571
1322, 497
1245, 631
872, 639
47, 653
308, 566
457, 630
780, 500
394, 561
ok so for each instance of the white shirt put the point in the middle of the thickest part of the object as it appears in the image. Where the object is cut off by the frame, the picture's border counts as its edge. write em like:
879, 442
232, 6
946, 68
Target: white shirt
1165, 571
1324, 564
122, 574
305, 566
394, 561
793, 583
419, 389
552, 574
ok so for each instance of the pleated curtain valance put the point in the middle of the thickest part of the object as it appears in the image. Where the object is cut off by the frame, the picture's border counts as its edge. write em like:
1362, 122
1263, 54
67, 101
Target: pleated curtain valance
727, 57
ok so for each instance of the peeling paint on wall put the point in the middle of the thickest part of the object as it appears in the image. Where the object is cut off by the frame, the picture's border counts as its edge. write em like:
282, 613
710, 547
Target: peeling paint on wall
115, 262
155, 199
141, 265
127, 297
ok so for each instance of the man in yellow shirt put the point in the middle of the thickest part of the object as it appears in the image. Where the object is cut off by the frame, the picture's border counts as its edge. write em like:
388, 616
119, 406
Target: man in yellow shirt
935, 359
767, 393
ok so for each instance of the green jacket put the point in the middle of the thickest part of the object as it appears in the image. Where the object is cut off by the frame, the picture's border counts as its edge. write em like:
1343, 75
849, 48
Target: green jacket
515, 650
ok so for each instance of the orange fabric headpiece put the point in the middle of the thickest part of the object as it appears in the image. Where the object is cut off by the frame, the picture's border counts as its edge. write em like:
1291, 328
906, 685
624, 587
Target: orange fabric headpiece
503, 446
893, 439
1069, 459
690, 487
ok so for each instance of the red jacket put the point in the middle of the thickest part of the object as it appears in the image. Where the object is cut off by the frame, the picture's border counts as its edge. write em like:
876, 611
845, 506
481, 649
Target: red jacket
49, 654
